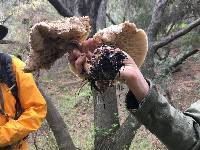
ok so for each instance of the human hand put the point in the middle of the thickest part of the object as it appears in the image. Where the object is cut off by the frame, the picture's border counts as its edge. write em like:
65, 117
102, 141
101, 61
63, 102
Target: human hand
131, 75
79, 56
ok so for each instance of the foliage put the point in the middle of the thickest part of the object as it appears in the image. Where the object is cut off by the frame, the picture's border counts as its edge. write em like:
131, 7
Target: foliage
23, 15
137, 11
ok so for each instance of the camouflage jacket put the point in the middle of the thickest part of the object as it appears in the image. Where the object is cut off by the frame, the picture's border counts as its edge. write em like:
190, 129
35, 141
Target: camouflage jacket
177, 130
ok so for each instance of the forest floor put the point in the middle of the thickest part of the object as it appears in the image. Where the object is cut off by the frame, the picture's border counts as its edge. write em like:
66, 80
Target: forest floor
74, 101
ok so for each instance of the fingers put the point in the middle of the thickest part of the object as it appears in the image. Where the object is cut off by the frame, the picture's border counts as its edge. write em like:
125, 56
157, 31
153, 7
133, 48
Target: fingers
79, 64
73, 56
90, 45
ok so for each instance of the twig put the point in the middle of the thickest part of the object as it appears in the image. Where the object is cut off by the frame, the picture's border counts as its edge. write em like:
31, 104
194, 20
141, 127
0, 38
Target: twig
165, 56
182, 59
171, 27
176, 35
110, 19
3, 21
35, 141
60, 8
9, 42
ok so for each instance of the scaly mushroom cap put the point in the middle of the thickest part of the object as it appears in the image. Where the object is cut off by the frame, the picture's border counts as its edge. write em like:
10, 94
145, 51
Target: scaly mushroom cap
51, 40
126, 37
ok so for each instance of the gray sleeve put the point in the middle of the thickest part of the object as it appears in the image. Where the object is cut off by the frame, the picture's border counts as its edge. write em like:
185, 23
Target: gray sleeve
177, 130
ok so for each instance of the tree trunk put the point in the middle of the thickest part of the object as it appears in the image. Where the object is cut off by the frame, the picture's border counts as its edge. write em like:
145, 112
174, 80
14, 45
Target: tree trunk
106, 119
153, 29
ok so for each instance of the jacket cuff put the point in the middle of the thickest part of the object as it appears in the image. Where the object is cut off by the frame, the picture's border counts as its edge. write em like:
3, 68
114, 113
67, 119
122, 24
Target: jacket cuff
131, 101
145, 106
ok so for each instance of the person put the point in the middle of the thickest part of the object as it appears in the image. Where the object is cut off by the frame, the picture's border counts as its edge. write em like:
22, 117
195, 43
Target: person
177, 130
14, 126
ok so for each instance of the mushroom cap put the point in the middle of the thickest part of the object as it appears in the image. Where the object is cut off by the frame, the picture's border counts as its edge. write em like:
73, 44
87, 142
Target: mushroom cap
128, 38
50, 40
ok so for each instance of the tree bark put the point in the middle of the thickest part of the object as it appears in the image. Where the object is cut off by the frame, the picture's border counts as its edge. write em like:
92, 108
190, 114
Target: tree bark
101, 18
106, 119
123, 136
94, 6
62, 10
156, 19
152, 31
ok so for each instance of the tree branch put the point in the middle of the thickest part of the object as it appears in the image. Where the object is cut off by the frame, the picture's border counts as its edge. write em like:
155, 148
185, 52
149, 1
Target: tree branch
171, 27
126, 133
110, 19
62, 10
183, 58
176, 35
4, 20
106, 119
9, 42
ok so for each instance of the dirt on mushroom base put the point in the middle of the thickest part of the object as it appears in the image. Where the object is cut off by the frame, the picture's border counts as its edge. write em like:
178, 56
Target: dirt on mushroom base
104, 66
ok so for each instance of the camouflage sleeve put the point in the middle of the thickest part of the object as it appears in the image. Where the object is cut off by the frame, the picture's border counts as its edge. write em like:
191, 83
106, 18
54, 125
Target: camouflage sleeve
177, 130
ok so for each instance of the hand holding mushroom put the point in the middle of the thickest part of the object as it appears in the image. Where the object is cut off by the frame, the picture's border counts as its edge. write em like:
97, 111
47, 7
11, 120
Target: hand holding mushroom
114, 53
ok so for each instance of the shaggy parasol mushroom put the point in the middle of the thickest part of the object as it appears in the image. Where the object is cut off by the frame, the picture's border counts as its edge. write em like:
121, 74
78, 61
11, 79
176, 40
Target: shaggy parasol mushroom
51, 40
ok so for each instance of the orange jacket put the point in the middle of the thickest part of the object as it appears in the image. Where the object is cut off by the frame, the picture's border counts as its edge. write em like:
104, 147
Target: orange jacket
32, 103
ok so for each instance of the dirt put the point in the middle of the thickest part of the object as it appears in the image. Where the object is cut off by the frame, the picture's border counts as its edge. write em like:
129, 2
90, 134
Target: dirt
105, 64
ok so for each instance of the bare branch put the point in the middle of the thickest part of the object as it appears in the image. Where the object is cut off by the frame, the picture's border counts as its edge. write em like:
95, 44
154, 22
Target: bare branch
4, 20
176, 35
9, 42
62, 10
165, 55
169, 30
183, 58
110, 19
